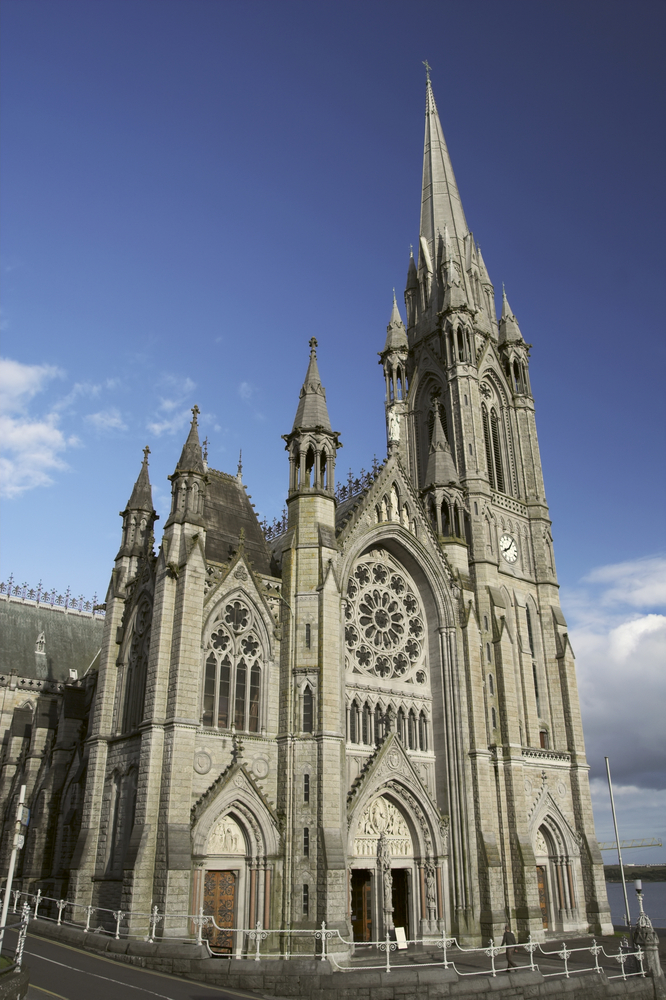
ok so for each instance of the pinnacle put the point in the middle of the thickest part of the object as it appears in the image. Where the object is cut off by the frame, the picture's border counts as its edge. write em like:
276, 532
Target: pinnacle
509, 331
191, 459
142, 494
441, 469
396, 335
312, 410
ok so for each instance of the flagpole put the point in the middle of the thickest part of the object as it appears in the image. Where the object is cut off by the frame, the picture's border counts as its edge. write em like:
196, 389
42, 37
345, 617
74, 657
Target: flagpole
627, 918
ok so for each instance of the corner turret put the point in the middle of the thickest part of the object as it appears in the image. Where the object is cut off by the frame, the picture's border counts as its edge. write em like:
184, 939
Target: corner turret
513, 350
138, 518
312, 445
189, 480
394, 362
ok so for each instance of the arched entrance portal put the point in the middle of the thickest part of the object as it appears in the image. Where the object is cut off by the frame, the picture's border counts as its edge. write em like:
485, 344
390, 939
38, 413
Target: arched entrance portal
224, 882
391, 884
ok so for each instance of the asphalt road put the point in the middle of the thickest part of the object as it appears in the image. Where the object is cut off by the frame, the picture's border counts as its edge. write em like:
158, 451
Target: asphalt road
66, 973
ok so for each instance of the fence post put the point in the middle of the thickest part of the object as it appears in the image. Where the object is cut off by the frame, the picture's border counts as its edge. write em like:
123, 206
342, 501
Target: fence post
38, 898
491, 952
118, 914
89, 913
564, 954
61, 904
25, 918
531, 947
258, 935
153, 924
17, 894
595, 949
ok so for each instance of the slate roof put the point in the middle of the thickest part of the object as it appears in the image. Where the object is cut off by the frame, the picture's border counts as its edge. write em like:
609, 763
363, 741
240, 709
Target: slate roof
72, 640
227, 509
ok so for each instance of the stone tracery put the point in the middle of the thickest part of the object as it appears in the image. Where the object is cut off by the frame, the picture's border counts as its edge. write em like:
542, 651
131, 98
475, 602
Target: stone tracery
385, 623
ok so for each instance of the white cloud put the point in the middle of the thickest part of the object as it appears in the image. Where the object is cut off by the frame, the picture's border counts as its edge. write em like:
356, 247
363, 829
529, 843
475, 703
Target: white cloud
245, 390
19, 383
172, 414
620, 645
107, 420
31, 446
640, 583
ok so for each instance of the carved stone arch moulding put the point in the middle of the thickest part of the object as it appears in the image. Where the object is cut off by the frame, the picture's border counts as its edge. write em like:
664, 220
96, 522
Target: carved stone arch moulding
547, 813
405, 548
425, 838
248, 597
240, 801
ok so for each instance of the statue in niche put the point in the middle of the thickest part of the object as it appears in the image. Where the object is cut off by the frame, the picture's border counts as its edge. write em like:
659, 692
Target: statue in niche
394, 426
430, 885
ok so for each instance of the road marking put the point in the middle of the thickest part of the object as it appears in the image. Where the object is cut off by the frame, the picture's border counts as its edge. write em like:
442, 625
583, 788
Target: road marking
135, 968
106, 979
50, 992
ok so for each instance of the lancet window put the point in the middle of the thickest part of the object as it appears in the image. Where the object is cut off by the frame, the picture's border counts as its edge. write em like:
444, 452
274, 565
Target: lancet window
233, 665
137, 667
493, 446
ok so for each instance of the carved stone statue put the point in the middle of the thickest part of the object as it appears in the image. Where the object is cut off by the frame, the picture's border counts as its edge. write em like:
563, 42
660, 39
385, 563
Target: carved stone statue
394, 426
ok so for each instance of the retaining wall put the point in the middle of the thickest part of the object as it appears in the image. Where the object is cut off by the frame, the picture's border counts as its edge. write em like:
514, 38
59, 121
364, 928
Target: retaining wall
308, 979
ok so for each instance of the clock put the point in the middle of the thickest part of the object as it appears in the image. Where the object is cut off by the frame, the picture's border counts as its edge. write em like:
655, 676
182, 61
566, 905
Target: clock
508, 548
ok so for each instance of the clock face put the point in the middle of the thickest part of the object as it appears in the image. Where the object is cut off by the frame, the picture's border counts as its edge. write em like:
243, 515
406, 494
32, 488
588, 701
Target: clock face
508, 548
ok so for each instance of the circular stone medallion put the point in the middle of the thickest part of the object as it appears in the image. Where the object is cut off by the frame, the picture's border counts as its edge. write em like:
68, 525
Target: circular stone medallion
202, 762
260, 767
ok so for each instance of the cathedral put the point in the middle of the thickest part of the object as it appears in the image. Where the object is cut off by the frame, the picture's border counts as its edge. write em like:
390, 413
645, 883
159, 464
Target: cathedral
366, 713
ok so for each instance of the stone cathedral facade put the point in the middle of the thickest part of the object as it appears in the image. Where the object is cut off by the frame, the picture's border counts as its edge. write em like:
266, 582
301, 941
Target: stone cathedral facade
369, 714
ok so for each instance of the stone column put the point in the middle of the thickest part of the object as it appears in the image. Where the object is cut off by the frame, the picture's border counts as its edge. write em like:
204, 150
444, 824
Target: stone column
386, 878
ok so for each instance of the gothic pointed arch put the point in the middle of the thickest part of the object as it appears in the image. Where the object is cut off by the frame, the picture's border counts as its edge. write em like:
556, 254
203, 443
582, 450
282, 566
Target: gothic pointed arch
392, 777
236, 794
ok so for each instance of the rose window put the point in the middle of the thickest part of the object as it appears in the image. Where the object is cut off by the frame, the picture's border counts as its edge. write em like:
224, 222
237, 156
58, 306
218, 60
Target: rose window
385, 624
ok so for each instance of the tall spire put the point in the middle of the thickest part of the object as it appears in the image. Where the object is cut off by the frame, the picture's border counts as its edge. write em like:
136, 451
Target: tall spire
190, 459
142, 494
312, 410
440, 200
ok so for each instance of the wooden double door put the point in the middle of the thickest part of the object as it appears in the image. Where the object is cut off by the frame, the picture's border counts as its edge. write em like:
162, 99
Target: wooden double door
542, 883
361, 904
219, 901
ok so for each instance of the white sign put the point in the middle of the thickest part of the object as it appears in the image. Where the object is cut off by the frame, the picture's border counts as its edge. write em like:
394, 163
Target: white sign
400, 938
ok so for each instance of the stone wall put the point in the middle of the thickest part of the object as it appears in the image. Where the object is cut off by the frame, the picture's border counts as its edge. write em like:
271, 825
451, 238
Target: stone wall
309, 979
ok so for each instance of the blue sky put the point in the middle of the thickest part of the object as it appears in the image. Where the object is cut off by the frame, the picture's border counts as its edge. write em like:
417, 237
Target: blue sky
191, 190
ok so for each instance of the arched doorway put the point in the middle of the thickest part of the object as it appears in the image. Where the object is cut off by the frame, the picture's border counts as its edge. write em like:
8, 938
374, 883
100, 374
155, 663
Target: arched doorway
391, 883
556, 878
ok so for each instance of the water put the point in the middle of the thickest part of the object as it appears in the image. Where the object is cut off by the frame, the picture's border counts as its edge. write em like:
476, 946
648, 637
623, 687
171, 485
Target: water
654, 902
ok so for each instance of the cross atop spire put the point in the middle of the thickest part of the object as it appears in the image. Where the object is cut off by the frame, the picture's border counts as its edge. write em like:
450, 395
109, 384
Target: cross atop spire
142, 495
428, 67
191, 459
312, 410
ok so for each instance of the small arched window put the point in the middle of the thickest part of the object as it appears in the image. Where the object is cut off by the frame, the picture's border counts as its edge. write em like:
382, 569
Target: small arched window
411, 731
401, 725
489, 655
306, 788
491, 684
494, 717
353, 723
423, 732
308, 710
543, 739
530, 634
367, 724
